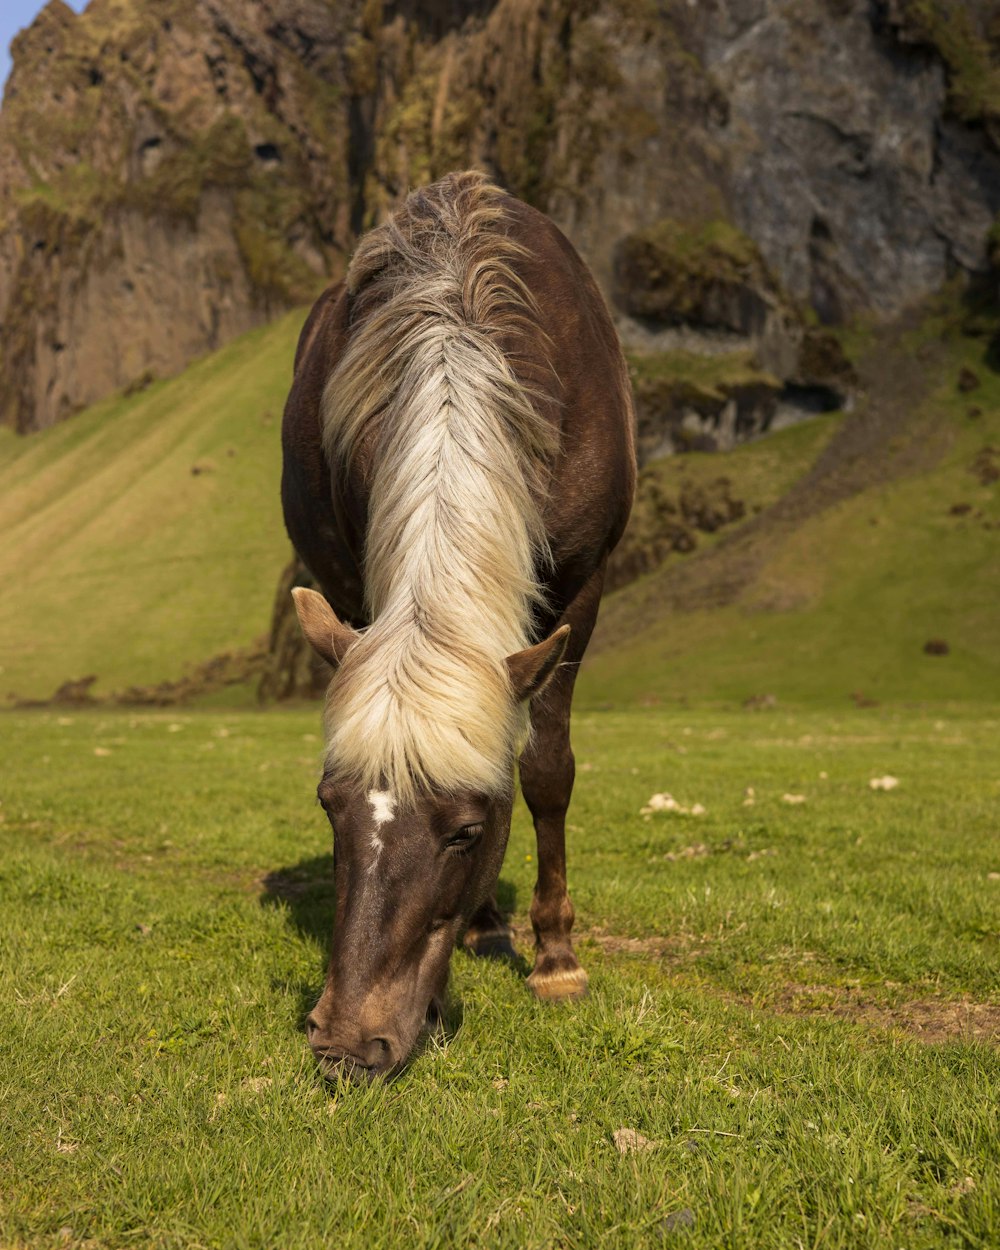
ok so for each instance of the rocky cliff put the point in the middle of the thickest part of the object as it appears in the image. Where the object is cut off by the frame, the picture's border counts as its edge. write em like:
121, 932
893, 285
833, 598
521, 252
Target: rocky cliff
173, 171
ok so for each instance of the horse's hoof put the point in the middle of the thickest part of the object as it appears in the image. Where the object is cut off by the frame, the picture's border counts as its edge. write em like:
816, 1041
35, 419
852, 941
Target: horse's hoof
490, 944
561, 983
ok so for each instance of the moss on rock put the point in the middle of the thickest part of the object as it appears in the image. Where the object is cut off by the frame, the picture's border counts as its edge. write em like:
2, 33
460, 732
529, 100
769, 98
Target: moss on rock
967, 38
707, 275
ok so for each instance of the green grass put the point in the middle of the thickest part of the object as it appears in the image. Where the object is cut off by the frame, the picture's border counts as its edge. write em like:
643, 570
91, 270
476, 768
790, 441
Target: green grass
713, 376
844, 600
758, 474
156, 1082
116, 559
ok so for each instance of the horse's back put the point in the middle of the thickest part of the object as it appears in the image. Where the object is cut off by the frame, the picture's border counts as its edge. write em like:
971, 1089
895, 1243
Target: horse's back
579, 379
569, 361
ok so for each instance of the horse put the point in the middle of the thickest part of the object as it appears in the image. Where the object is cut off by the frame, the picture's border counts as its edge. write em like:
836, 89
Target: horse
458, 463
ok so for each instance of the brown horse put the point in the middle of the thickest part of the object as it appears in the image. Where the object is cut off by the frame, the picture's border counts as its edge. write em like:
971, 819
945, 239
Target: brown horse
458, 464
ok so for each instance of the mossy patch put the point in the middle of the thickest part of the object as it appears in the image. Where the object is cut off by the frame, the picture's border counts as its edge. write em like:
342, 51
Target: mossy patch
712, 376
219, 157
684, 502
706, 274
970, 50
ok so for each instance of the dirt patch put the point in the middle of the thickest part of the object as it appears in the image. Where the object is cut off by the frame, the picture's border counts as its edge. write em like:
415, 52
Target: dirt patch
230, 668
676, 949
927, 1019
930, 1020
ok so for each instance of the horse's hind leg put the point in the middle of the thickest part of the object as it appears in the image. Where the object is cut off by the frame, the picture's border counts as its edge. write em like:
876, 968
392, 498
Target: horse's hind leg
547, 771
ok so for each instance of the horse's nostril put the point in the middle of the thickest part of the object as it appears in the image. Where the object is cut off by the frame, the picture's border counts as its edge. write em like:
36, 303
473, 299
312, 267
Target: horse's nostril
312, 1025
336, 1065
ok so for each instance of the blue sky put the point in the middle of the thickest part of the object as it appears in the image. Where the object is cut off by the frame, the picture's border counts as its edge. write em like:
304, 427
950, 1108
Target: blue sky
14, 16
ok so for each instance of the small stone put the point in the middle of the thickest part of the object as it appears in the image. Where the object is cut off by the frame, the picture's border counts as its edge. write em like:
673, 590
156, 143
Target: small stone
661, 803
883, 783
628, 1141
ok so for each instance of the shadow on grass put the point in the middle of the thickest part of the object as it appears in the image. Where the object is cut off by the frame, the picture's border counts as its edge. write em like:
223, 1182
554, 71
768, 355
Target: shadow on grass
307, 891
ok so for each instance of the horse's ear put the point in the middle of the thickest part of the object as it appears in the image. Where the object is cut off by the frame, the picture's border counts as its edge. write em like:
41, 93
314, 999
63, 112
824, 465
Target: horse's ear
328, 637
531, 669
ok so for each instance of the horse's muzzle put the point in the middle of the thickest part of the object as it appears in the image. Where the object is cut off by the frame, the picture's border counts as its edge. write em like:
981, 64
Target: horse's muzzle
363, 1060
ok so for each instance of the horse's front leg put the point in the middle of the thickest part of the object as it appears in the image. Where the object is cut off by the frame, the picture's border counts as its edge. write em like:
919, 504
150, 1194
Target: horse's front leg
489, 935
547, 772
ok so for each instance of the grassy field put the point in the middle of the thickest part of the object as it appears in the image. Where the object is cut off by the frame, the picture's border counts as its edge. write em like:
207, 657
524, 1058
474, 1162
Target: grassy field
795, 1004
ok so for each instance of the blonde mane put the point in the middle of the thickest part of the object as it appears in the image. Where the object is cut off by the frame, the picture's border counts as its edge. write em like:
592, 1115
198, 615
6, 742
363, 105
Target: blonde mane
459, 459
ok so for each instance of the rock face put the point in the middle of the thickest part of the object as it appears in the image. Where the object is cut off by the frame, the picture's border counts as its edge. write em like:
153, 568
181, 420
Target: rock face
174, 171
849, 162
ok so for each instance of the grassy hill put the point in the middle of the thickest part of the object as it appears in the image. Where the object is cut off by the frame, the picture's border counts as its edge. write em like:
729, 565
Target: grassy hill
889, 539
145, 535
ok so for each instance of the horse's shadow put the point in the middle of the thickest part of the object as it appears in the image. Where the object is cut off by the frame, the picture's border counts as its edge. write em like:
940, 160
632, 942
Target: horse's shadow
307, 893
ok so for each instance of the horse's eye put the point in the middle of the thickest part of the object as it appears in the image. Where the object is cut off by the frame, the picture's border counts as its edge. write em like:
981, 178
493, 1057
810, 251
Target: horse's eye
465, 838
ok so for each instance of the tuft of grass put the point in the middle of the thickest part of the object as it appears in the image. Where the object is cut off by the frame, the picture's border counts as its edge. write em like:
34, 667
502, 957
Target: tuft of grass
713, 376
167, 896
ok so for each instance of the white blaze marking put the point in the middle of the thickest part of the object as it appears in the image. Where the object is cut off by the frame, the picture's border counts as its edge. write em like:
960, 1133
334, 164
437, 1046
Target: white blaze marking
383, 803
